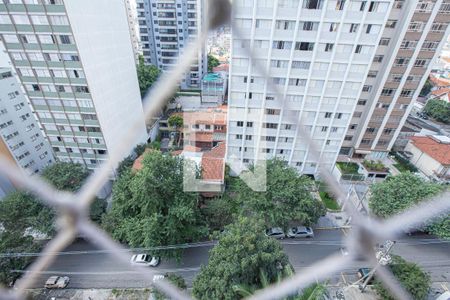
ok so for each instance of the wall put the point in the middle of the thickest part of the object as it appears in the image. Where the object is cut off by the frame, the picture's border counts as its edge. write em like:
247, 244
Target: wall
423, 161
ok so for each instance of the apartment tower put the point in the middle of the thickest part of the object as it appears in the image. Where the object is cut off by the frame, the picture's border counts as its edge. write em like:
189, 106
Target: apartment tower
166, 27
317, 55
75, 62
411, 41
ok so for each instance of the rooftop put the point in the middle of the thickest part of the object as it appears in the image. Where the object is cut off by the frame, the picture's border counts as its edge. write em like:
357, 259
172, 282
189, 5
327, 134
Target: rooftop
438, 147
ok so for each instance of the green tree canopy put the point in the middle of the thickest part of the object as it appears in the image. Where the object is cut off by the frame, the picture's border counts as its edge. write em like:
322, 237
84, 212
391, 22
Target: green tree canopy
66, 176
400, 192
212, 62
287, 199
150, 207
410, 275
20, 210
175, 121
147, 75
241, 255
439, 110
426, 89
14, 242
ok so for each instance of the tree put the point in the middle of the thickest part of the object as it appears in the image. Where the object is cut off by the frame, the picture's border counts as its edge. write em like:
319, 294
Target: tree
150, 207
176, 121
400, 192
15, 242
20, 211
66, 176
147, 75
241, 255
212, 62
426, 89
175, 279
287, 199
439, 110
220, 211
128, 161
410, 275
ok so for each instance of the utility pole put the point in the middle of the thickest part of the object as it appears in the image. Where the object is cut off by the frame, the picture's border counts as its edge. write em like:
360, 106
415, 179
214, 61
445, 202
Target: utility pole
383, 259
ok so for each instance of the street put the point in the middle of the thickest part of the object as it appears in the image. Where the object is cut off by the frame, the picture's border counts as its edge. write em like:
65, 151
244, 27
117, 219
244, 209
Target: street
88, 269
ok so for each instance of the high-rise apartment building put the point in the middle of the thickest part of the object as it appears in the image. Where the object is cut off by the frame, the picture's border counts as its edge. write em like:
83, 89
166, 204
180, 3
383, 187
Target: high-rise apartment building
411, 41
166, 26
21, 140
75, 61
134, 27
317, 54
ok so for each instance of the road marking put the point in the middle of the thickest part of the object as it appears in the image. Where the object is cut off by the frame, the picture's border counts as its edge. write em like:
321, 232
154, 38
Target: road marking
344, 231
108, 272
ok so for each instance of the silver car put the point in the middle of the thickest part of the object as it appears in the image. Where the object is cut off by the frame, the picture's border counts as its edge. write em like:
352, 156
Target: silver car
276, 232
301, 232
57, 282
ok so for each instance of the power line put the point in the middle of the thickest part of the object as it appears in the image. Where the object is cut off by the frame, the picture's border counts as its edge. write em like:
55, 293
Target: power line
203, 244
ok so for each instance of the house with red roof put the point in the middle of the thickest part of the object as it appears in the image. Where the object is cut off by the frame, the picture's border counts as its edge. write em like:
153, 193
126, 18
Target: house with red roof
431, 155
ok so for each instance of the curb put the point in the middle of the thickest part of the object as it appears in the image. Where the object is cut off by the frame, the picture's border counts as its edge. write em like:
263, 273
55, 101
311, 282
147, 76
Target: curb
332, 228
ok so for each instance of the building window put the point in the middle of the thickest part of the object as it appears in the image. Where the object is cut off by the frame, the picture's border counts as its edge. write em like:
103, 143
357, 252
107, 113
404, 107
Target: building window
328, 115
378, 58
391, 23
312, 4
329, 47
239, 136
354, 27
387, 92
384, 41
304, 46
362, 102
367, 88
240, 124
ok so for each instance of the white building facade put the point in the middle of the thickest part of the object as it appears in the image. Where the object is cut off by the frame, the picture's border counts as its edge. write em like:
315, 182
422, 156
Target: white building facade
72, 58
166, 27
317, 54
21, 139
411, 42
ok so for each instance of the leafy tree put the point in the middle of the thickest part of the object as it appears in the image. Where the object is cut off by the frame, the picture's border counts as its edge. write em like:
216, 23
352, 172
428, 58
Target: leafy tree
439, 110
241, 255
316, 291
20, 210
288, 197
400, 192
147, 75
14, 242
426, 89
410, 275
128, 161
150, 207
175, 279
220, 212
212, 62
176, 121
66, 176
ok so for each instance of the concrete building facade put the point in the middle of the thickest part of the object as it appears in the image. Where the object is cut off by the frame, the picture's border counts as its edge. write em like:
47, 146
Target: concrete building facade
21, 140
411, 42
317, 54
166, 26
72, 57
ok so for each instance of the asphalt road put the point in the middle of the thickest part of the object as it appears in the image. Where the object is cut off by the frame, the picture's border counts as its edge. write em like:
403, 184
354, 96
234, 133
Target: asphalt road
88, 269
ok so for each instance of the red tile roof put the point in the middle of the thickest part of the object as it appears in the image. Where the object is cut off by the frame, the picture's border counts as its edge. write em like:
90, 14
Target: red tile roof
212, 116
213, 163
441, 91
437, 150
222, 68
137, 165
439, 81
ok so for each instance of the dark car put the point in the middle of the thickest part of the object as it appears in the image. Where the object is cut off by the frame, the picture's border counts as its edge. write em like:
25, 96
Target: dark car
364, 273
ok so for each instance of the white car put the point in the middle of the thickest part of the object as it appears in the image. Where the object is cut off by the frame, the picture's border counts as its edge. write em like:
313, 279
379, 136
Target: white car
300, 231
145, 260
157, 277
276, 232
57, 282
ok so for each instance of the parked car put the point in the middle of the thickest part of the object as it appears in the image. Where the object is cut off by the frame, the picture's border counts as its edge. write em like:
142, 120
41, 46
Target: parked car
363, 273
444, 296
300, 231
57, 282
276, 232
145, 260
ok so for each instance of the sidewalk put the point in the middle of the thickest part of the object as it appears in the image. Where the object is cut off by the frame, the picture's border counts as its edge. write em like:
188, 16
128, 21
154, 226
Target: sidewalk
333, 220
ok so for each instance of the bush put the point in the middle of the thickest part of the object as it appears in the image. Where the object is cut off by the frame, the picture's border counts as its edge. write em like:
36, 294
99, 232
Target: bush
410, 275
439, 110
